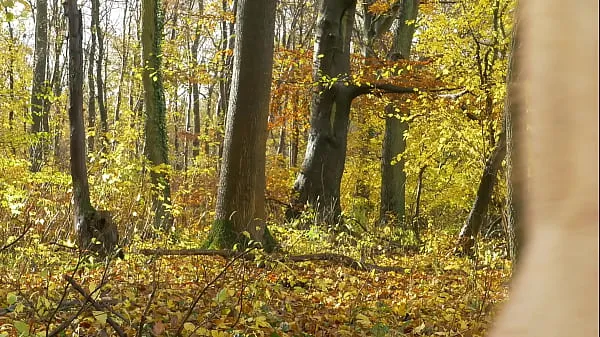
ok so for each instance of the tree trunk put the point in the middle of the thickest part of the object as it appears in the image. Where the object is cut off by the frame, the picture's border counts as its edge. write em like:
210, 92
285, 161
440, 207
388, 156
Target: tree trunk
196, 88
393, 178
416, 220
227, 42
11, 78
92, 87
513, 112
95, 230
471, 228
154, 100
281, 143
240, 200
57, 71
318, 182
97, 31
38, 88
294, 143
125, 55
196, 110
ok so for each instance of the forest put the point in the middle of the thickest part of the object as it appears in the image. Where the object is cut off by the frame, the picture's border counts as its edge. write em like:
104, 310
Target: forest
256, 167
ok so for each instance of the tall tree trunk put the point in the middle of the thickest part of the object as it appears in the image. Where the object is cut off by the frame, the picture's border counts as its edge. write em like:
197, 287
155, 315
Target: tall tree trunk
126, 27
38, 88
227, 42
95, 230
318, 182
92, 86
11, 77
241, 196
196, 109
81, 191
55, 85
393, 177
294, 143
97, 31
281, 143
513, 115
472, 226
196, 87
154, 100
416, 220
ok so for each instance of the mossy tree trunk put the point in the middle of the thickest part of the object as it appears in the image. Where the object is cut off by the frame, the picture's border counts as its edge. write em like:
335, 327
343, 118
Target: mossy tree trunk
241, 196
154, 101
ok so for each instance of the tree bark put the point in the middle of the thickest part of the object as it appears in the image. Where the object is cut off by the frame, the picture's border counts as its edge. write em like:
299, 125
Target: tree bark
241, 196
55, 85
318, 182
513, 114
38, 87
393, 177
227, 42
126, 27
472, 226
95, 229
97, 31
11, 78
92, 87
154, 100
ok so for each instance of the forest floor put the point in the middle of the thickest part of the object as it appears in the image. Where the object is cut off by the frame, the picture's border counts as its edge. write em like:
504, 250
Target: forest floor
43, 286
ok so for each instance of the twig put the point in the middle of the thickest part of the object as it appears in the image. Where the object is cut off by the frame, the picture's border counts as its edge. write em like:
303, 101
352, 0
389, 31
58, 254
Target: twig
199, 296
62, 298
8, 245
147, 308
88, 297
84, 306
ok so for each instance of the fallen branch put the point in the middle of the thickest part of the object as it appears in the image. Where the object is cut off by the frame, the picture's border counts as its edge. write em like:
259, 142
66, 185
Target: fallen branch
205, 252
88, 298
345, 261
336, 258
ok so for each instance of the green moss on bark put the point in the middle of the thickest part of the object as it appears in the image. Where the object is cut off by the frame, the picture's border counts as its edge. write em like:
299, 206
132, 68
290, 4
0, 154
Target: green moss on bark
268, 241
222, 236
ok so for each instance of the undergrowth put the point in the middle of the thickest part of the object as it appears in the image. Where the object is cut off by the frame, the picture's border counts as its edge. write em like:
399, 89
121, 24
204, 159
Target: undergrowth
438, 294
